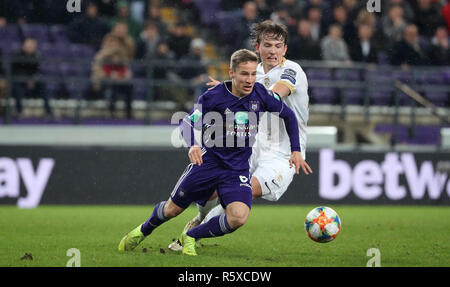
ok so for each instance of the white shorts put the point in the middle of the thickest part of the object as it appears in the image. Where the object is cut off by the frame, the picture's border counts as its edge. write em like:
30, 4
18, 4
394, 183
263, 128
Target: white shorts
273, 174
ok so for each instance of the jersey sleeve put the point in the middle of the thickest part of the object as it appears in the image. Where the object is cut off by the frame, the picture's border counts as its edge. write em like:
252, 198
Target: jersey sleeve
274, 104
293, 78
194, 120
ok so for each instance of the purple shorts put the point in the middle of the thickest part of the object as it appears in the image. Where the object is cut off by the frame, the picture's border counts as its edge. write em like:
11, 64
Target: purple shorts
198, 183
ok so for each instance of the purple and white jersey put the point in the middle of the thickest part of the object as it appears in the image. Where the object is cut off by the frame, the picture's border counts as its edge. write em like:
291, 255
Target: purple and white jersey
230, 123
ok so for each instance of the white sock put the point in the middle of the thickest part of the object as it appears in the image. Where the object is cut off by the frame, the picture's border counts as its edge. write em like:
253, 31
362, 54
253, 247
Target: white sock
218, 210
209, 205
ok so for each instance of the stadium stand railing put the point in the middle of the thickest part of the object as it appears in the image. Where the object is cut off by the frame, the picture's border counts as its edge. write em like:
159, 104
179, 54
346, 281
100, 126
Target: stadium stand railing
351, 95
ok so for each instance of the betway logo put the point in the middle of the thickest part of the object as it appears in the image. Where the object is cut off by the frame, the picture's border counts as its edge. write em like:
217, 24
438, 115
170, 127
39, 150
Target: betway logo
34, 181
368, 179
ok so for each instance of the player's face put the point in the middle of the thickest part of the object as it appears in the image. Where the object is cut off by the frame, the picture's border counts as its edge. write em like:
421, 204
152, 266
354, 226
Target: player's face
243, 78
271, 50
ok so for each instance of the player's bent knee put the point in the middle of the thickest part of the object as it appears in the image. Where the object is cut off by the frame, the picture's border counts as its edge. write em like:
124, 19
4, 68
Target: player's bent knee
237, 222
171, 209
237, 214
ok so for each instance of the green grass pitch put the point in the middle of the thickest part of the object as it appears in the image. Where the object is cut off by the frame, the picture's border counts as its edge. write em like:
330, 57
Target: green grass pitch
273, 236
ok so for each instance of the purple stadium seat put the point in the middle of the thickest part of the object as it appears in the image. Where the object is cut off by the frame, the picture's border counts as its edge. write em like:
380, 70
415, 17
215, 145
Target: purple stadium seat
140, 88
208, 10
428, 134
54, 50
406, 100
10, 33
10, 48
446, 75
81, 51
68, 69
402, 76
76, 88
347, 74
36, 31
49, 68
318, 74
380, 98
439, 98
58, 33
430, 77
323, 95
379, 76
353, 96
51, 88
226, 20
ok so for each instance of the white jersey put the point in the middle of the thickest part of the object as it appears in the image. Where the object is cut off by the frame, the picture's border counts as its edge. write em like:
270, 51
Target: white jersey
272, 138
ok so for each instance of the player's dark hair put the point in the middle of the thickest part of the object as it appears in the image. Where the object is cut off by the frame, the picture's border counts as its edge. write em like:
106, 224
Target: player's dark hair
276, 30
242, 56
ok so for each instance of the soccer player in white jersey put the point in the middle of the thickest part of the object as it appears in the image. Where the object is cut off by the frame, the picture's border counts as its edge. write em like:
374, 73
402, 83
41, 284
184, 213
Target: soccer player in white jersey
270, 170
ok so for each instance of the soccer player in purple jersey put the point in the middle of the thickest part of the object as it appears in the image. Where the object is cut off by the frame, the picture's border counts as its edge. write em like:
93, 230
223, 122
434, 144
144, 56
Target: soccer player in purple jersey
222, 165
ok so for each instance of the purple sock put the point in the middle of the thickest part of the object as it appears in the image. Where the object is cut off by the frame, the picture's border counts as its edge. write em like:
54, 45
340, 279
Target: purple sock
156, 219
216, 226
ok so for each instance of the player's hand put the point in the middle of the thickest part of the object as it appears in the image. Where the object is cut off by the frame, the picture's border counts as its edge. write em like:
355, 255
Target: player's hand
195, 155
212, 82
298, 161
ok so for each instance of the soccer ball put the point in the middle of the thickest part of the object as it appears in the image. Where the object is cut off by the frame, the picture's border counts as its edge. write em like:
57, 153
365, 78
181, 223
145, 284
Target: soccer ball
322, 224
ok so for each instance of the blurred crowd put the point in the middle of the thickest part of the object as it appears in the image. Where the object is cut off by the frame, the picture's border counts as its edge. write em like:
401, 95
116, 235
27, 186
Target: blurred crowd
405, 32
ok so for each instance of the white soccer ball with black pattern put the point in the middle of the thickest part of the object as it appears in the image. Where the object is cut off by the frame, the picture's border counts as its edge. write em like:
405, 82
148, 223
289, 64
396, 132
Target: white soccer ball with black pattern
322, 224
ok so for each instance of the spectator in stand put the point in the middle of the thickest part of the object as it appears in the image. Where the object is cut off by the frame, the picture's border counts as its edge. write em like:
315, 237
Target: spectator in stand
428, 17
194, 71
148, 41
179, 42
111, 74
365, 17
123, 15
88, 28
315, 19
333, 47
164, 53
409, 52
301, 45
408, 11
293, 8
26, 65
340, 17
120, 31
324, 6
165, 72
394, 25
106, 8
364, 50
446, 14
154, 15
264, 10
187, 11
439, 53
241, 28
3, 13
353, 8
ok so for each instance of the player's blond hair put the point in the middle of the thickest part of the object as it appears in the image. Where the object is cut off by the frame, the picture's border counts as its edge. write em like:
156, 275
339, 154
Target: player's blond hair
242, 56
